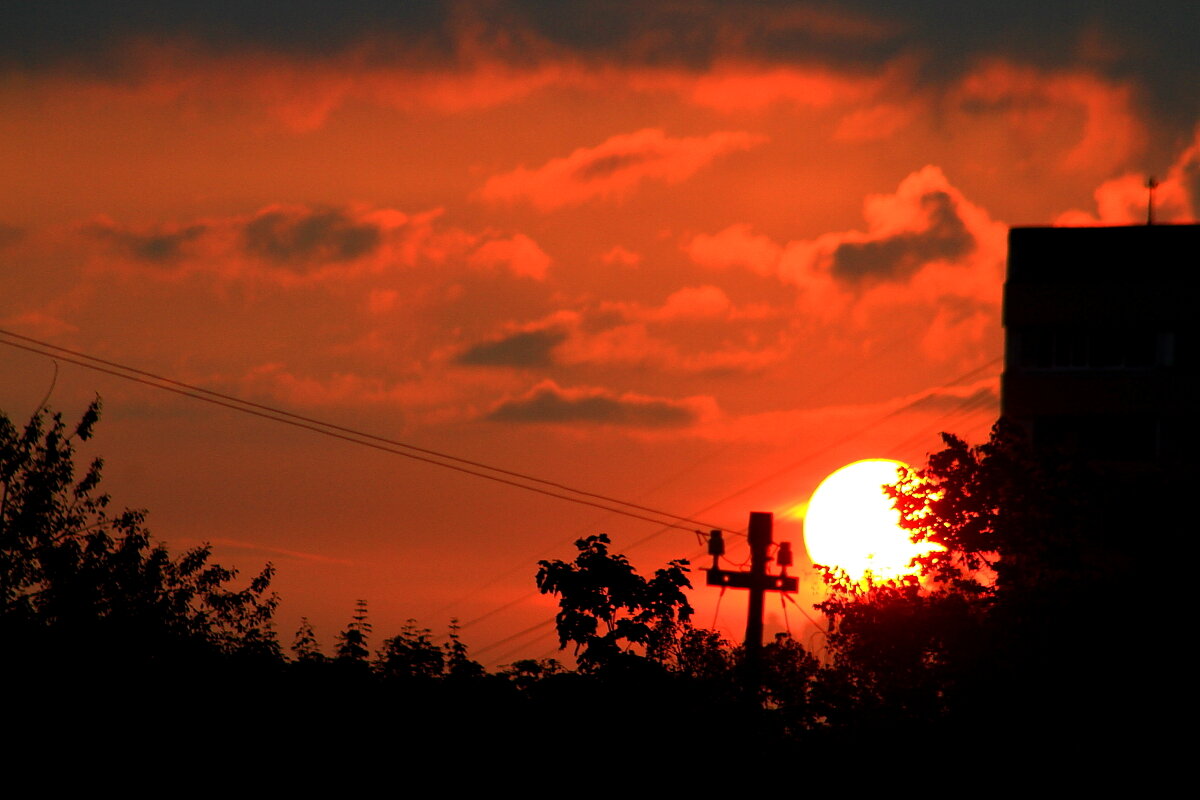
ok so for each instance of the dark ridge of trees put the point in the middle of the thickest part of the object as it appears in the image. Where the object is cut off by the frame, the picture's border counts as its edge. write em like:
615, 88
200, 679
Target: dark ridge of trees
1006, 646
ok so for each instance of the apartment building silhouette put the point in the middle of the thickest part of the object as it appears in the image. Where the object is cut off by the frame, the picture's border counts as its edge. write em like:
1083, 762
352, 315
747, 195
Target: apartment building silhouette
1100, 340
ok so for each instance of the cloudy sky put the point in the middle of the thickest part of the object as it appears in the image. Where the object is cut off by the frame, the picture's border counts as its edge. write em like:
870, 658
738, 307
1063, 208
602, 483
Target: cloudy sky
690, 255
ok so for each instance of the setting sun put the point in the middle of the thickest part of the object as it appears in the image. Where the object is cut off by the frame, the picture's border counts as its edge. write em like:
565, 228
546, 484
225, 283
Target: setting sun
851, 524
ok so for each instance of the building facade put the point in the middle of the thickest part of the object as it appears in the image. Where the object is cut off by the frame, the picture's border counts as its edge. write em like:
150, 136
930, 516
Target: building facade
1100, 340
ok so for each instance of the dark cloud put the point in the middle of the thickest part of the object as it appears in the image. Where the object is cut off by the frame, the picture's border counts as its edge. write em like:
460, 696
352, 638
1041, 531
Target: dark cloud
90, 35
898, 257
158, 247
606, 165
950, 32
1150, 43
298, 237
550, 404
525, 349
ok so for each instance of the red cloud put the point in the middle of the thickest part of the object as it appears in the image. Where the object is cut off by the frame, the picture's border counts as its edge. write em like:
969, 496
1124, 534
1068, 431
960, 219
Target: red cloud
520, 254
695, 302
925, 247
307, 391
746, 88
614, 168
1124, 200
302, 96
301, 93
548, 403
1037, 106
292, 245
621, 256
926, 221
970, 405
432, 396
718, 337
39, 323
873, 123
736, 246
697, 329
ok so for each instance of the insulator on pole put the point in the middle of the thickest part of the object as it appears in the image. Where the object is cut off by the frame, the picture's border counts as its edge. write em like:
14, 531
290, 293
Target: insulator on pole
784, 557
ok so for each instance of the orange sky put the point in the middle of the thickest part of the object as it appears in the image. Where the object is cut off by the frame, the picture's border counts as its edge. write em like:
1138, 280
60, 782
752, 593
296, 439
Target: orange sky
664, 260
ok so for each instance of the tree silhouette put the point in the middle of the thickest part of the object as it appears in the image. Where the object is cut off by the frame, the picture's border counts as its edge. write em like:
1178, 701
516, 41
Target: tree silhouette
352, 642
75, 578
705, 655
526, 673
411, 654
606, 607
1010, 518
305, 647
458, 664
1016, 614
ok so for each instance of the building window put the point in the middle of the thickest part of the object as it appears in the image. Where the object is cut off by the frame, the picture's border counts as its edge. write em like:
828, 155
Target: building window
1096, 349
1103, 438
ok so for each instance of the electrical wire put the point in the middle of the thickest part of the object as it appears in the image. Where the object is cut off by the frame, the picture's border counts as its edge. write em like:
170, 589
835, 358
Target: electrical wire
814, 454
807, 616
516, 635
787, 623
504, 657
967, 407
717, 610
468, 466
874, 424
350, 435
969, 401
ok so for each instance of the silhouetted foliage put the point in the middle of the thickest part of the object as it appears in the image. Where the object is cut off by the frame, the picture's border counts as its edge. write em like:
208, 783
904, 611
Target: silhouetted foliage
169, 645
1005, 516
305, 647
705, 655
1005, 621
527, 672
411, 654
788, 675
1003, 626
898, 646
458, 664
606, 607
72, 575
352, 642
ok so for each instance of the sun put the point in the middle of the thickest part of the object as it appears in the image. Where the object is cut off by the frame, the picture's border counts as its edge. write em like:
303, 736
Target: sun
851, 524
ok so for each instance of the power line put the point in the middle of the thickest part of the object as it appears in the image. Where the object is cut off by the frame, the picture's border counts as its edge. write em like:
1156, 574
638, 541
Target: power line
430, 456
860, 365
971, 402
874, 424
523, 564
821, 451
352, 435
967, 407
544, 623
504, 657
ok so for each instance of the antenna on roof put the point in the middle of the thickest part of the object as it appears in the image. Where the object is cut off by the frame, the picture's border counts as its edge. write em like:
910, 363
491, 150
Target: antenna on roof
1151, 184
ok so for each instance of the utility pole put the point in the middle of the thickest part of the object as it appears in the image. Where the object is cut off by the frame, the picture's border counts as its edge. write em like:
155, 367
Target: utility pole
1151, 184
757, 580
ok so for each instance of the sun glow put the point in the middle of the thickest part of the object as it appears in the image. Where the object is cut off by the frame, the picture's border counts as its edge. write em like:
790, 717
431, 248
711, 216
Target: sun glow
850, 523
